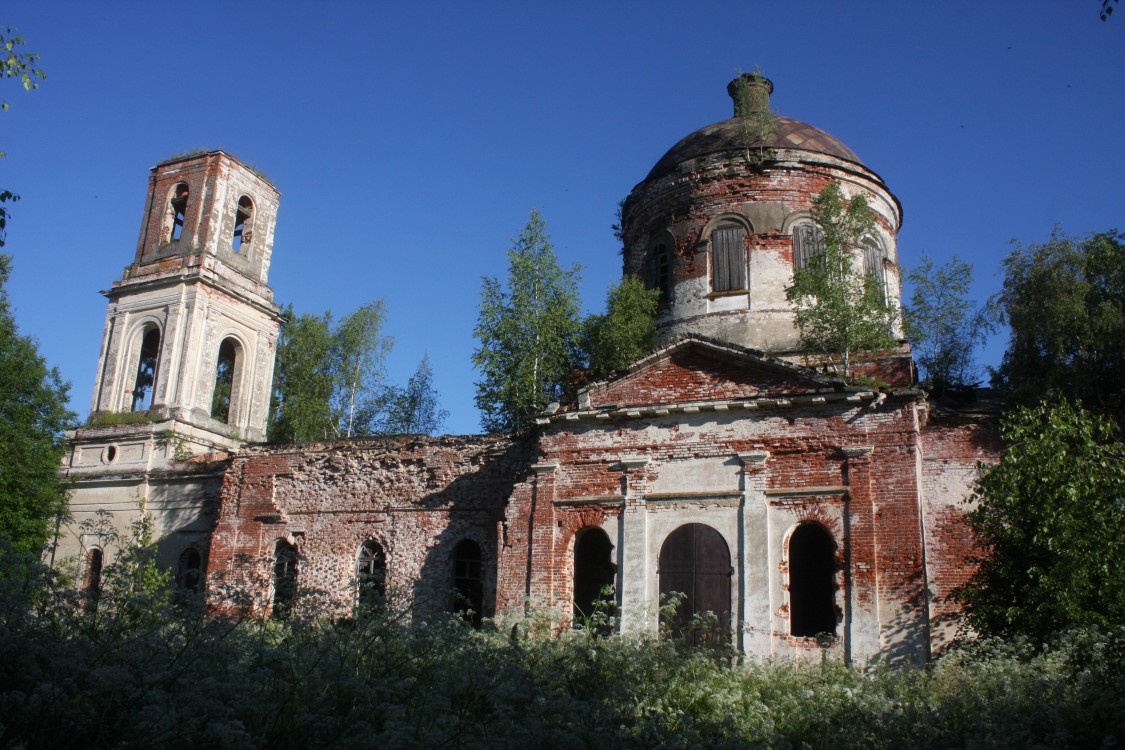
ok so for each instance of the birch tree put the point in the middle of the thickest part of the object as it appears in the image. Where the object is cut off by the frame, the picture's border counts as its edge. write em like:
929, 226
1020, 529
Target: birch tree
840, 310
529, 332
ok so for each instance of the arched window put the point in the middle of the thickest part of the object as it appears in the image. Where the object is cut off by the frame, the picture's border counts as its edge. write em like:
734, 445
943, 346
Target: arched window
658, 274
728, 258
594, 573
812, 581
189, 576
146, 369
808, 245
695, 563
92, 585
224, 380
243, 213
189, 571
371, 574
468, 581
177, 208
875, 267
284, 578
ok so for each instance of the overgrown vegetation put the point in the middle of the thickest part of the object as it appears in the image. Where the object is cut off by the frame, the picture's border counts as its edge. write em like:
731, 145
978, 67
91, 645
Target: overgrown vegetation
840, 309
140, 670
108, 418
943, 325
757, 123
1064, 300
1051, 523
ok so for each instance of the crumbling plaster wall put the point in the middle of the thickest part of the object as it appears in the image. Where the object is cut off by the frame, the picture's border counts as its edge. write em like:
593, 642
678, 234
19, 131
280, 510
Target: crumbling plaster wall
752, 476
417, 496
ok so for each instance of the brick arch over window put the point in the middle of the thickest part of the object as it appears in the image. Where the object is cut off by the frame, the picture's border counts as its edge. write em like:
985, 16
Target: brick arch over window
243, 224
371, 574
176, 212
726, 236
812, 581
594, 571
695, 562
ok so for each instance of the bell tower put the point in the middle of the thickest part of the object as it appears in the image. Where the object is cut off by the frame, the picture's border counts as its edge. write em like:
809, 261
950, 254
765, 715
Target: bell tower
185, 369
191, 328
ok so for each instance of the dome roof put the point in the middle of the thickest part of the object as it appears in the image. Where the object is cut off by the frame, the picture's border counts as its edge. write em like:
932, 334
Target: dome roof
727, 136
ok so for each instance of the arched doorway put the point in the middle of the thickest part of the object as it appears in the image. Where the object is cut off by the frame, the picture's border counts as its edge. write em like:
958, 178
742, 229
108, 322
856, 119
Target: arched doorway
371, 575
468, 581
812, 582
695, 562
594, 574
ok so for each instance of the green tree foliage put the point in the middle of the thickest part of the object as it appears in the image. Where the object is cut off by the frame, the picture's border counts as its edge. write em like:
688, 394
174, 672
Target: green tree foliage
415, 409
360, 351
15, 63
528, 331
1065, 303
304, 380
1051, 520
941, 323
33, 415
625, 332
840, 310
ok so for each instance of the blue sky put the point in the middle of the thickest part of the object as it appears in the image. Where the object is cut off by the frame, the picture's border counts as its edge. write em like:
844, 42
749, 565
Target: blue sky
411, 141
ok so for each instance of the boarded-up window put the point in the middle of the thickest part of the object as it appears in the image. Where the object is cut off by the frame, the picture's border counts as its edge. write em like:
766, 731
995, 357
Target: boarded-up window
728, 258
812, 582
468, 581
874, 266
659, 274
594, 576
695, 564
808, 245
371, 575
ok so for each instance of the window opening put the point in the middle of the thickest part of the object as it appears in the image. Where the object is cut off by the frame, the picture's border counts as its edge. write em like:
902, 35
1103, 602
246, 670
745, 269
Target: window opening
660, 274
874, 266
812, 584
728, 266
189, 575
808, 245
284, 579
146, 370
594, 578
242, 233
468, 581
92, 586
695, 565
224, 381
371, 575
177, 209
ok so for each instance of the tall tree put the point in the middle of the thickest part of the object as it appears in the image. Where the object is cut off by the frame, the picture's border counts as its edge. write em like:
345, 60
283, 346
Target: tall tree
304, 379
941, 323
625, 332
528, 332
840, 310
33, 415
15, 63
360, 353
1049, 517
1065, 302
415, 409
